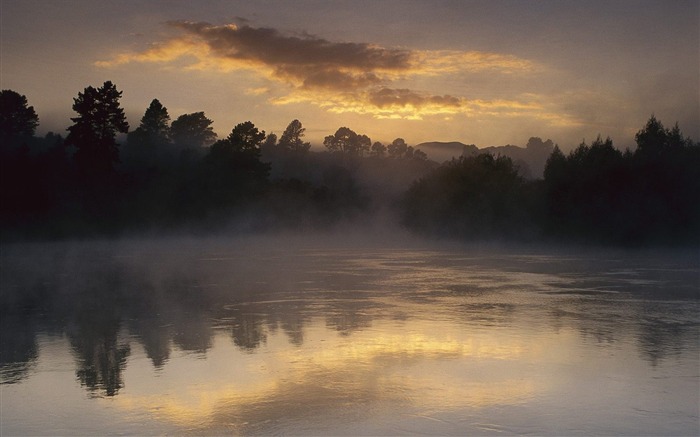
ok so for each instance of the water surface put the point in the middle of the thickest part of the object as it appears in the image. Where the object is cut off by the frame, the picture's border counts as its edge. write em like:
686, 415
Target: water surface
289, 336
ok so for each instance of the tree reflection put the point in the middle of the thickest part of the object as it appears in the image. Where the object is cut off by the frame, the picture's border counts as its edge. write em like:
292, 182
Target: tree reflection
101, 358
18, 348
248, 332
660, 339
155, 336
347, 322
192, 331
660, 328
293, 327
179, 302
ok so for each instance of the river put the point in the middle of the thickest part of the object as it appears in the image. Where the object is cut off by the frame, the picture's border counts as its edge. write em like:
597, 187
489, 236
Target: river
326, 336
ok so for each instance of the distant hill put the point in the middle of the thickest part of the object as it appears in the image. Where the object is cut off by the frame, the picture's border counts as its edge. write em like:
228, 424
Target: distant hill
443, 151
531, 159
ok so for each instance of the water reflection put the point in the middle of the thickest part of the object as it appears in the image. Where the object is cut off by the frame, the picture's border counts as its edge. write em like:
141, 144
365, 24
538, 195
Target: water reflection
100, 356
251, 340
18, 347
348, 373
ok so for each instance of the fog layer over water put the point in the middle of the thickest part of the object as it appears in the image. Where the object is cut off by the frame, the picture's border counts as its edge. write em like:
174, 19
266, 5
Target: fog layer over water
332, 335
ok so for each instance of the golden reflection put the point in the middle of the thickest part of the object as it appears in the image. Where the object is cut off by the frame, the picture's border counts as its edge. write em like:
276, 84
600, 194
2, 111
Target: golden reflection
418, 365
408, 346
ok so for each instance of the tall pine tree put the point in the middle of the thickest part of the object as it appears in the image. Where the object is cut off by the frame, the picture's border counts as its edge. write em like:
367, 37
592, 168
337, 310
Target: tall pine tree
94, 131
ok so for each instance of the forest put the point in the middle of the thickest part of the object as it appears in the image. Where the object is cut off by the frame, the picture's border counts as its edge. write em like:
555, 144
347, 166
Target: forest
164, 176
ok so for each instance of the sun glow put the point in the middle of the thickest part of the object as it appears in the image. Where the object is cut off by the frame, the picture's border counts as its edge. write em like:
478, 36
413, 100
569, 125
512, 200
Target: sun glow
340, 78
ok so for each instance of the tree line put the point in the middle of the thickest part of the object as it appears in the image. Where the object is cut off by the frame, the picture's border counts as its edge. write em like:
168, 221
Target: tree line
596, 193
179, 174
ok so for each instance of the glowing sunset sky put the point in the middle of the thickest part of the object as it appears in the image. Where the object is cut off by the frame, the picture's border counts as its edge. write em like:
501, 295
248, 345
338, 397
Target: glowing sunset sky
483, 72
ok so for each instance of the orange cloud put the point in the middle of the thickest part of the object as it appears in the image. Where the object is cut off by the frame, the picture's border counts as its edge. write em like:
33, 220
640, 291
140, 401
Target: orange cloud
340, 77
168, 51
388, 103
438, 62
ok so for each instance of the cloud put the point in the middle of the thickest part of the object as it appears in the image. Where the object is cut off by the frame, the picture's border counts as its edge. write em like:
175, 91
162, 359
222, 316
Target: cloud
401, 103
380, 103
388, 97
164, 52
257, 91
302, 61
338, 76
270, 47
440, 62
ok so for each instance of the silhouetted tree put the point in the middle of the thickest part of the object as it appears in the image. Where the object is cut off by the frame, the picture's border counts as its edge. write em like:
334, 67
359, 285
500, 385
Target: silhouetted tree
584, 189
363, 144
291, 138
555, 169
155, 124
192, 130
155, 121
378, 149
652, 138
397, 148
289, 157
144, 143
244, 137
347, 142
93, 133
475, 196
675, 139
338, 142
420, 155
233, 169
651, 194
16, 118
269, 146
666, 194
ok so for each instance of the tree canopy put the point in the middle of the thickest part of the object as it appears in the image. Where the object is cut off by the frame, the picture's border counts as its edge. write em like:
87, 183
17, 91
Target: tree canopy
93, 133
232, 168
473, 196
16, 117
291, 138
155, 123
244, 137
347, 142
192, 130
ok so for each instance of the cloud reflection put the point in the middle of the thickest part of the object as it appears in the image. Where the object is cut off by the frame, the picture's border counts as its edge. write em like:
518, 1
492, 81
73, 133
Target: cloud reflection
206, 340
385, 365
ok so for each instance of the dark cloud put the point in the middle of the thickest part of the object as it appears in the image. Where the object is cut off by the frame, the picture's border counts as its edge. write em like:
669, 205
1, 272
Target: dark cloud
387, 97
334, 79
270, 47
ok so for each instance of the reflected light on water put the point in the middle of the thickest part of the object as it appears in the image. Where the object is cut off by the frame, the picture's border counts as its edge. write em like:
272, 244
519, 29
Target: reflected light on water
432, 367
351, 341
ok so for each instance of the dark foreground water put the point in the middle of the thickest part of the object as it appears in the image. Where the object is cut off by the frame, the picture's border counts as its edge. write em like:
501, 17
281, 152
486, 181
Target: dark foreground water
292, 336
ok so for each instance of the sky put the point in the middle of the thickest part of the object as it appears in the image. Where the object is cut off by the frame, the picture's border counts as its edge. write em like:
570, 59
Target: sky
488, 73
